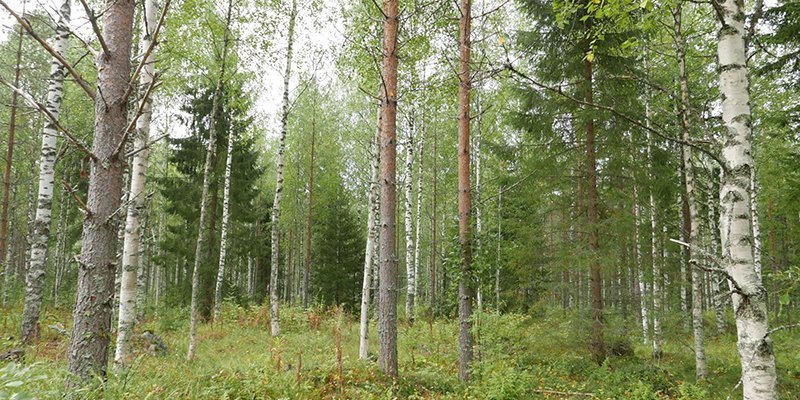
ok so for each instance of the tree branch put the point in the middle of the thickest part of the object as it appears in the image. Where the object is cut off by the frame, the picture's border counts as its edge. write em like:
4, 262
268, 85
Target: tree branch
24, 23
41, 108
96, 28
148, 51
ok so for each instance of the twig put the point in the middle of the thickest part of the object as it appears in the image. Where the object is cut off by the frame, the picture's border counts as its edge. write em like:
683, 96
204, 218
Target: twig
148, 51
24, 23
147, 146
135, 119
96, 28
713, 259
52, 118
77, 199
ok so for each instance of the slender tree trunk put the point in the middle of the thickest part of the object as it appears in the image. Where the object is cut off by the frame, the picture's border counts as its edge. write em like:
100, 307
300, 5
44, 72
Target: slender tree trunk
655, 262
759, 379
597, 344
499, 240
372, 236
418, 224
387, 323
204, 199
464, 206
432, 272
307, 272
12, 127
701, 367
223, 242
88, 352
756, 226
409, 228
131, 250
643, 304
275, 327
34, 282
142, 272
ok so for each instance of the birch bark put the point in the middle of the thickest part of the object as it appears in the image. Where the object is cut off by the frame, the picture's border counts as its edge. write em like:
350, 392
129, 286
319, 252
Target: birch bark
275, 327
131, 250
34, 281
759, 379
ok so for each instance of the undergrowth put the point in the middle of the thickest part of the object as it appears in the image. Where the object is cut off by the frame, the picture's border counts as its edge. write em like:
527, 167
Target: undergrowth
316, 357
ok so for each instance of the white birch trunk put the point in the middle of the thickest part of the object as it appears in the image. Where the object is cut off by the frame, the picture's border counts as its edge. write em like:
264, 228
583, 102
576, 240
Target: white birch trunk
369, 255
701, 367
34, 282
418, 224
756, 227
409, 229
759, 379
223, 243
204, 199
275, 327
655, 263
643, 303
131, 250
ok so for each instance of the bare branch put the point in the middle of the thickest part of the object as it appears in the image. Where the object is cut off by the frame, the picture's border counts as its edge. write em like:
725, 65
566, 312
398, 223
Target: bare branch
96, 28
41, 108
139, 111
24, 23
147, 146
148, 51
81, 204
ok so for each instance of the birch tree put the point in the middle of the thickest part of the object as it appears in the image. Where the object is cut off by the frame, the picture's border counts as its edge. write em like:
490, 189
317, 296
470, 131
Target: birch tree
132, 246
223, 242
749, 297
409, 228
34, 281
276, 205
373, 205
204, 197
701, 368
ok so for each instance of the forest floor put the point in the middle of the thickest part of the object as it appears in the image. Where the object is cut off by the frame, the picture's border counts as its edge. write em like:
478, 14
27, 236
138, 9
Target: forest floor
518, 357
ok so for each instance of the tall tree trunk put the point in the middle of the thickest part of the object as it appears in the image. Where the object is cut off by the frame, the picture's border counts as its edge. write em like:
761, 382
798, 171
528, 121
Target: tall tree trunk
759, 379
643, 304
204, 199
432, 270
133, 225
12, 127
418, 224
655, 262
372, 236
464, 206
756, 226
223, 242
275, 327
387, 321
499, 240
409, 228
88, 352
701, 367
34, 282
597, 344
307, 271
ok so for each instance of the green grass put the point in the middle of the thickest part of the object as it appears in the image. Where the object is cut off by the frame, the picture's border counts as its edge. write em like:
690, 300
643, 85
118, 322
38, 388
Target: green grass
518, 357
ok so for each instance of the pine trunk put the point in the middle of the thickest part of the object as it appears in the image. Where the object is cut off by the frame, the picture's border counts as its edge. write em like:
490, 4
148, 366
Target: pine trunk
91, 333
34, 282
464, 206
387, 316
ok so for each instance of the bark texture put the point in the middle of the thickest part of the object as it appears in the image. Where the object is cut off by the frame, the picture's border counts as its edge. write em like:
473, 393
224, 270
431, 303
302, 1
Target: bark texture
223, 242
91, 332
464, 207
275, 327
34, 281
372, 237
749, 298
387, 315
132, 242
